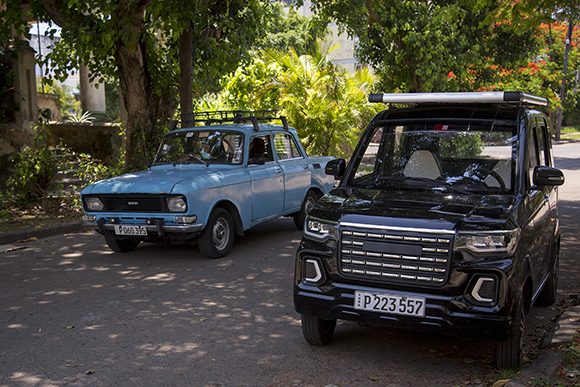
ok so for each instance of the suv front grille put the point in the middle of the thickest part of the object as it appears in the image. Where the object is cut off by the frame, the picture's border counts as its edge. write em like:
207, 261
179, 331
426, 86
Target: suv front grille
395, 254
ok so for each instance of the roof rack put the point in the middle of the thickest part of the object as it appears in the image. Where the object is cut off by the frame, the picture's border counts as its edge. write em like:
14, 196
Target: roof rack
238, 117
512, 97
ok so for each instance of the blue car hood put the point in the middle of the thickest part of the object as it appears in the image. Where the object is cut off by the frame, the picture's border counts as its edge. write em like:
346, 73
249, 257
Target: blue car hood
153, 181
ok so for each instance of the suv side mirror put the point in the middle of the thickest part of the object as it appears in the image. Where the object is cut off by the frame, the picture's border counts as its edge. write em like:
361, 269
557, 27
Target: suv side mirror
335, 168
547, 176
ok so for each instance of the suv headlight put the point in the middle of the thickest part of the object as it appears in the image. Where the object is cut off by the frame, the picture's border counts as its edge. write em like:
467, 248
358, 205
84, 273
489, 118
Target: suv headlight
176, 204
488, 241
319, 229
94, 204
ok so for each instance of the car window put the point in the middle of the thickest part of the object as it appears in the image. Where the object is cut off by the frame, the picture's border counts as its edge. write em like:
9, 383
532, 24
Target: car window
533, 158
544, 154
285, 147
260, 150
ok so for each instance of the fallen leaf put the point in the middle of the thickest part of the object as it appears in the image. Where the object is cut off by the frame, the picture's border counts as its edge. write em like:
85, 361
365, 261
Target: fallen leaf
89, 372
374, 378
70, 327
202, 319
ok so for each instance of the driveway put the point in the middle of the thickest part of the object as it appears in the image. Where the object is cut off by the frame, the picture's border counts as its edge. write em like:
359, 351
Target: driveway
73, 313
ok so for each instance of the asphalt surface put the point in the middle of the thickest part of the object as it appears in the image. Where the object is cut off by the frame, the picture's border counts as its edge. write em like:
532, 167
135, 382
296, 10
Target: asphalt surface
74, 313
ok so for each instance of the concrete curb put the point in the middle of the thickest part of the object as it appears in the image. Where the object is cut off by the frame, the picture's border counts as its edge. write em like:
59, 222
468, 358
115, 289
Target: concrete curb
15, 236
547, 364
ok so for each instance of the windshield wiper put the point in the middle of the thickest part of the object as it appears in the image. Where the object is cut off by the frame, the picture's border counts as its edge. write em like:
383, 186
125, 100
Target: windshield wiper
194, 157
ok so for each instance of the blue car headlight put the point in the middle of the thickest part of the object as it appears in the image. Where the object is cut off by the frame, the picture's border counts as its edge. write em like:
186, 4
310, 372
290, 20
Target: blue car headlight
94, 204
176, 204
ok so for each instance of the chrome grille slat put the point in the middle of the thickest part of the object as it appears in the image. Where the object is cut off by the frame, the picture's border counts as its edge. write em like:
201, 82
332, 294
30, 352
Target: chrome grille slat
395, 255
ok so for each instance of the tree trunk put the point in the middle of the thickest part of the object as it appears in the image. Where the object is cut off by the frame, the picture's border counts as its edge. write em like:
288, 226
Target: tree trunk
186, 77
564, 75
135, 92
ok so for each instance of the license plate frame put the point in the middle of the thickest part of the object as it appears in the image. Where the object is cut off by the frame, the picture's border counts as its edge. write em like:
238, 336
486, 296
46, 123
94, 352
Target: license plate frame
390, 303
130, 230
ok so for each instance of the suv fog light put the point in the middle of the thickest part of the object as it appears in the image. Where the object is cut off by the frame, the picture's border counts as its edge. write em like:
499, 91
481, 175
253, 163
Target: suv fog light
312, 271
484, 290
186, 219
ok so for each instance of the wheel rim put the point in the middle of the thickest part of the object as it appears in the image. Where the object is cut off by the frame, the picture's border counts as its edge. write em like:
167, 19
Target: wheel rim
310, 202
221, 233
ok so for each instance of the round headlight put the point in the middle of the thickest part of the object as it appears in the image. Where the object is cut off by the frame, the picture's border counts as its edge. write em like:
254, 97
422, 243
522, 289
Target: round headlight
176, 204
94, 204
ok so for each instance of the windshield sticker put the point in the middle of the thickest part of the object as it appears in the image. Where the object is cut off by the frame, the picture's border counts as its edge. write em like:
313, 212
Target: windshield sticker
189, 134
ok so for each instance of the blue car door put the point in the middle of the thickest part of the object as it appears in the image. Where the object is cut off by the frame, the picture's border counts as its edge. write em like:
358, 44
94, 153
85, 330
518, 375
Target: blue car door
297, 175
267, 179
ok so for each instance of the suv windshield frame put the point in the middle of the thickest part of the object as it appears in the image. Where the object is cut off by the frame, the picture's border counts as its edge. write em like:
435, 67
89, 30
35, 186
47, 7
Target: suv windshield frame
507, 126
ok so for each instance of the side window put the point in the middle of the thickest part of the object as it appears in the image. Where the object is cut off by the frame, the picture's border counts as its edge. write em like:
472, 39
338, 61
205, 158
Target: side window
533, 159
285, 147
543, 143
260, 150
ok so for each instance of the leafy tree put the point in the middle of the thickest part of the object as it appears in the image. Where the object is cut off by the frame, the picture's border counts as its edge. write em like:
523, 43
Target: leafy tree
326, 104
137, 42
420, 45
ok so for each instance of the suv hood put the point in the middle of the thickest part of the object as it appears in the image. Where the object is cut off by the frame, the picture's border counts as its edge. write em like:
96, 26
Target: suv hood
153, 181
429, 209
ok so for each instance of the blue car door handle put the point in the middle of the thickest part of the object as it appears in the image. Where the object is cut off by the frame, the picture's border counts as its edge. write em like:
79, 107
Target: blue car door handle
278, 170
305, 167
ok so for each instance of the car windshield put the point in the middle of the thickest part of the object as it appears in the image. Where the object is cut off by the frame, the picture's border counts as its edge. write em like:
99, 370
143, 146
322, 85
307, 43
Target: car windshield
445, 156
204, 147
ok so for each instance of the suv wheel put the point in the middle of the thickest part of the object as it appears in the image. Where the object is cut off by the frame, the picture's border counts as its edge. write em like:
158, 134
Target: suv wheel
218, 236
550, 291
317, 331
121, 245
508, 354
309, 202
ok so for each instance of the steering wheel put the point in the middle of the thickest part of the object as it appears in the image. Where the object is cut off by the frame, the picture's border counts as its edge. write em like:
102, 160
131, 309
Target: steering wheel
485, 172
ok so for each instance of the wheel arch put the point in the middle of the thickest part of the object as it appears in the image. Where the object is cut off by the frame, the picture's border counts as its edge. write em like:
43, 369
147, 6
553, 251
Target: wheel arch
230, 207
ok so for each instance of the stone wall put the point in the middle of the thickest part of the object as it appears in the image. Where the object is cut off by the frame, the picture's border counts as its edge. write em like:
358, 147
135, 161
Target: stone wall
100, 140
52, 103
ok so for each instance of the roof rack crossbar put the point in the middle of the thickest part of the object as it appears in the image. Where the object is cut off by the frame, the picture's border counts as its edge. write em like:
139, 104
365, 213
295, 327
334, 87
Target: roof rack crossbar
236, 116
510, 97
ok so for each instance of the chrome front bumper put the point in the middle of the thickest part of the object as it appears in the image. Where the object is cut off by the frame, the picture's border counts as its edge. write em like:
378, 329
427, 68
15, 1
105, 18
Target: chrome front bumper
158, 228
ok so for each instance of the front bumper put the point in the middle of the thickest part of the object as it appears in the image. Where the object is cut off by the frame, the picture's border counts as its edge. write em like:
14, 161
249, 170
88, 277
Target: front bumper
154, 227
443, 313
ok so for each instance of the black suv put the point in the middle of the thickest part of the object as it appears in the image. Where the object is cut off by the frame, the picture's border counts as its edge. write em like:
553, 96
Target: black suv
445, 219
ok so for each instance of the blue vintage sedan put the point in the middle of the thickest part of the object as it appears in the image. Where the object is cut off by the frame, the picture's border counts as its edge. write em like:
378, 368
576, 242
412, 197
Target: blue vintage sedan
209, 183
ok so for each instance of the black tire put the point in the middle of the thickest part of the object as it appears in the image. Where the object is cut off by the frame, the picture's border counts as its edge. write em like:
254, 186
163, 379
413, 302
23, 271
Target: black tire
121, 245
218, 236
549, 292
316, 331
508, 353
309, 202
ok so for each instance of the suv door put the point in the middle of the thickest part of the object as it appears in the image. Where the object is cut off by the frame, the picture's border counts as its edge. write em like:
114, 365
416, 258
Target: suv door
297, 175
537, 204
267, 179
550, 193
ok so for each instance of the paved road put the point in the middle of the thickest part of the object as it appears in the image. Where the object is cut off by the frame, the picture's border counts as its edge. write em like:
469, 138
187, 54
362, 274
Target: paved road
73, 313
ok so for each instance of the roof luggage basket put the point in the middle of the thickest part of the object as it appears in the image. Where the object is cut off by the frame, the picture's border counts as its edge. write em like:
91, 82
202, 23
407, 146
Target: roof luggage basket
238, 117
509, 97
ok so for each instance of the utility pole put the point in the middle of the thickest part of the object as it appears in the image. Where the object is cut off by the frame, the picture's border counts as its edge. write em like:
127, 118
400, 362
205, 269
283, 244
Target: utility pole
564, 75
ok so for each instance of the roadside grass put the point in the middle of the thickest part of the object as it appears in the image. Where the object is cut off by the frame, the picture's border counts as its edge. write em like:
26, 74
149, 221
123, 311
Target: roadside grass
51, 212
570, 133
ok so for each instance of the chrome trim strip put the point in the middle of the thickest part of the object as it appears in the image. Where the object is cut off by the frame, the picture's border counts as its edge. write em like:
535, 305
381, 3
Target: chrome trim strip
396, 228
316, 268
477, 287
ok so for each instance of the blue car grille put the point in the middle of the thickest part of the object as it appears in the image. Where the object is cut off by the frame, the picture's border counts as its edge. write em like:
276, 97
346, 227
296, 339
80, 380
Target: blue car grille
405, 257
134, 203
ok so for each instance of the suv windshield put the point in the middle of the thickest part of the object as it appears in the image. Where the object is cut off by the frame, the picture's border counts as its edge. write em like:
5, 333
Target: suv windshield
463, 158
205, 147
